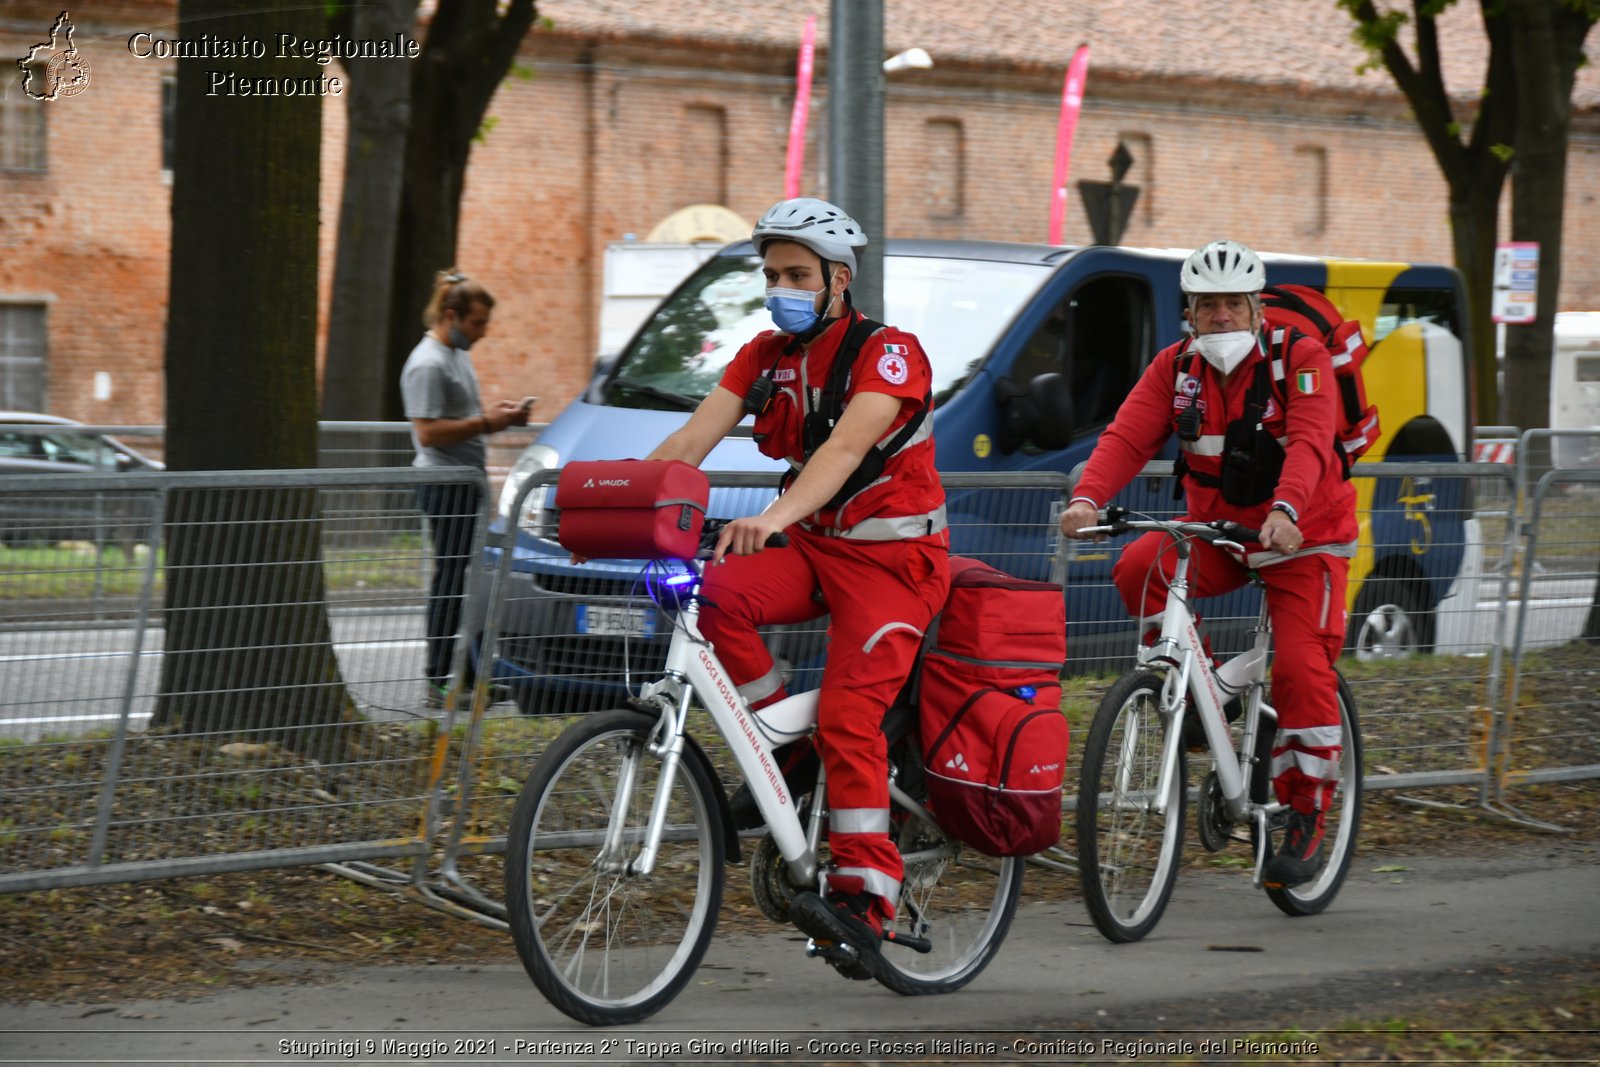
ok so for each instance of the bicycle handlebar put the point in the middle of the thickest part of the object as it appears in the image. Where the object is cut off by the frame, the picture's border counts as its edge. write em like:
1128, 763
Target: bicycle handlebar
712, 529
1217, 531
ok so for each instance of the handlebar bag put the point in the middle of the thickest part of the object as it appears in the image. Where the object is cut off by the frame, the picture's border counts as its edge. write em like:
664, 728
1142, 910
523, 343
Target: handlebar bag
632, 508
989, 705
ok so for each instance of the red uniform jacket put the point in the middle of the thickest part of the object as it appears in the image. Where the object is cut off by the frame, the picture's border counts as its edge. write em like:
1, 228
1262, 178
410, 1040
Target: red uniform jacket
1312, 482
891, 361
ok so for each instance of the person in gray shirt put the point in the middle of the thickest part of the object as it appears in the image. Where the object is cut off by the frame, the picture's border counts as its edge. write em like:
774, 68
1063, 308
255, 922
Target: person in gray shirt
439, 389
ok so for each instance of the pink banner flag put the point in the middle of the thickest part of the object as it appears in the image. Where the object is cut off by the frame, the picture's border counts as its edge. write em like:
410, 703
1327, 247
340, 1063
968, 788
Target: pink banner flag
796, 158
1071, 104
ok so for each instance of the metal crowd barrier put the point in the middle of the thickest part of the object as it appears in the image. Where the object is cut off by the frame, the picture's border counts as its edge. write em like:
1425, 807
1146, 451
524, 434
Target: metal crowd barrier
340, 444
317, 746
245, 690
1550, 729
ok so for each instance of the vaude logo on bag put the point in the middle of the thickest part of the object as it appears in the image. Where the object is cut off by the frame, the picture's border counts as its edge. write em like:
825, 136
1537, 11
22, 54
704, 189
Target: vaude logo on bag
607, 483
958, 761
1047, 768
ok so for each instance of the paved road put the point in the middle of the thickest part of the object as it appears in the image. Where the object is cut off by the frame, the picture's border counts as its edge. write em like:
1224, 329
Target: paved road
66, 680
1391, 931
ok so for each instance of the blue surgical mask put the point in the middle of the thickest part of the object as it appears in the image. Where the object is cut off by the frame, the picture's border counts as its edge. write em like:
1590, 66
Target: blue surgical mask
793, 310
458, 337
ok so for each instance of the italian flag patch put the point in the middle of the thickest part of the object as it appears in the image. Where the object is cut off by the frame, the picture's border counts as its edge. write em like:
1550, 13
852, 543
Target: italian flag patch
1307, 380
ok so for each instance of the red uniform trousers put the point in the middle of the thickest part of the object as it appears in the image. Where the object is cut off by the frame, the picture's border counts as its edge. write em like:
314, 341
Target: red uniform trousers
1306, 597
882, 595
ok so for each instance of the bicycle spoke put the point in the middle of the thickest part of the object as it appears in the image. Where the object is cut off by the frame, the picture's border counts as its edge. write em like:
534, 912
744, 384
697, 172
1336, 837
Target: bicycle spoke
606, 944
1129, 836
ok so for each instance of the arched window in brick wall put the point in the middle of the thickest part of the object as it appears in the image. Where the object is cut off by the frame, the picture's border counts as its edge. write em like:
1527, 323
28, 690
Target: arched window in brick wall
946, 174
1311, 183
704, 170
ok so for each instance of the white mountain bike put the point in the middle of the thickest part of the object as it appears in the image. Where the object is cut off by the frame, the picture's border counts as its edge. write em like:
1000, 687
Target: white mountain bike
614, 856
1134, 780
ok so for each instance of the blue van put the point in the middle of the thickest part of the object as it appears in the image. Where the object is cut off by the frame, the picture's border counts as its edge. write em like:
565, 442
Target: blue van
1033, 348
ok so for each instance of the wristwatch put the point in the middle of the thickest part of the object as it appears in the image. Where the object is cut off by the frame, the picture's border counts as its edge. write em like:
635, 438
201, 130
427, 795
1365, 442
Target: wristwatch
1287, 509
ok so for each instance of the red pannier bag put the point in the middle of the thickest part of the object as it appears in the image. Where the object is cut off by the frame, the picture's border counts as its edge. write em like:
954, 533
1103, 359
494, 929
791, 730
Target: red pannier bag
632, 508
989, 703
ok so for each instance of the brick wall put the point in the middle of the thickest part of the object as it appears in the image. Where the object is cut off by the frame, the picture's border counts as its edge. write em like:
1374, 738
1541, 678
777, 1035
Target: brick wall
89, 235
608, 138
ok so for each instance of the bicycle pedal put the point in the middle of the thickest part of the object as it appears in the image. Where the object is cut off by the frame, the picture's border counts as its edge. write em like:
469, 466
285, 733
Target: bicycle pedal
842, 958
915, 944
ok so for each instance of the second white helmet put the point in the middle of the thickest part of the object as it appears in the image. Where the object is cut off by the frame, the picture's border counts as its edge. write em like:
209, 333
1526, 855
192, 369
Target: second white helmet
1223, 267
817, 224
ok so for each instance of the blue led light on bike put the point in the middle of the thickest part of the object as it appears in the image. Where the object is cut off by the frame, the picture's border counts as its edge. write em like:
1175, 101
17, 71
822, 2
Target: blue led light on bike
1026, 692
680, 579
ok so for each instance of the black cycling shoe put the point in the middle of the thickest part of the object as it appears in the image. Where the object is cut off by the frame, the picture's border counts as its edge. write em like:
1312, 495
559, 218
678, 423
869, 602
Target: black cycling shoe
801, 779
841, 920
1296, 862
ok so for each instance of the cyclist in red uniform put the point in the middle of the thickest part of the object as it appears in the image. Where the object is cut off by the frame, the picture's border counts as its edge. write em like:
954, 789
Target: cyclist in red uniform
1268, 463
864, 511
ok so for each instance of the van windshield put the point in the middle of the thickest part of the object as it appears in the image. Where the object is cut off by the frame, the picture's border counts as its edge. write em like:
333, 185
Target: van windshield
956, 307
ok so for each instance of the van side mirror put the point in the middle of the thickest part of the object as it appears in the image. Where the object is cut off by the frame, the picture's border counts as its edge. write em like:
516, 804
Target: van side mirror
597, 376
1041, 414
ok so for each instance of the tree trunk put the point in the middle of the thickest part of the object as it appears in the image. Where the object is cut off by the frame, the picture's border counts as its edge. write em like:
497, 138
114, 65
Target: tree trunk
1547, 46
469, 50
1473, 211
247, 636
378, 106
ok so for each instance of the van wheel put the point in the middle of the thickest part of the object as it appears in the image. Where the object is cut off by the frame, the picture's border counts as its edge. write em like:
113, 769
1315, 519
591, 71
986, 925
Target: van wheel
1390, 621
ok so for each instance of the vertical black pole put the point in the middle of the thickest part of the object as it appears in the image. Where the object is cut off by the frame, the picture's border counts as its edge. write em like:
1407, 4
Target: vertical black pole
855, 136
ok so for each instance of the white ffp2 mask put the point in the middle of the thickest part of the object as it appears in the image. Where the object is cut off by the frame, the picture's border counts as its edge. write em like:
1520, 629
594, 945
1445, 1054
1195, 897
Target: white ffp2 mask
1225, 351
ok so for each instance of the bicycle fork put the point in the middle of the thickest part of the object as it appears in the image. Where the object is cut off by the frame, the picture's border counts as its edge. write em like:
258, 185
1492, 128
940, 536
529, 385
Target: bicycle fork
670, 750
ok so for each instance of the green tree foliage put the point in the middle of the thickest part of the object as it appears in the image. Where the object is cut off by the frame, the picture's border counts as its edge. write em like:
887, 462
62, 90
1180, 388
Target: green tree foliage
1469, 144
1519, 125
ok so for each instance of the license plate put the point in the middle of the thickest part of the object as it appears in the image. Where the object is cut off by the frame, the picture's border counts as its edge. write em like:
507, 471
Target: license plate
605, 620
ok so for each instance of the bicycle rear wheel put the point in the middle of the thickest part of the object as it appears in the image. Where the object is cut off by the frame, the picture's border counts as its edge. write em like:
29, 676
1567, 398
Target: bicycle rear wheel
606, 945
954, 896
1343, 822
1128, 848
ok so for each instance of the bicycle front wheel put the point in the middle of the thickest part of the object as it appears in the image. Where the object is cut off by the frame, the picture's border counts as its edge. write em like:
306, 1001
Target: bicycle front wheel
1130, 836
604, 944
1343, 822
953, 896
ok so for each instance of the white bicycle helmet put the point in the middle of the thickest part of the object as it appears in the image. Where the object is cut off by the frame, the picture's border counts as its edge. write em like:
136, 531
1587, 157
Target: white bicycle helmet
1223, 267
817, 224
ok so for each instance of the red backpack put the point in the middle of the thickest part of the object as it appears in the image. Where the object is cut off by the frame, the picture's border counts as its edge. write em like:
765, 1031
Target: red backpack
989, 700
1302, 308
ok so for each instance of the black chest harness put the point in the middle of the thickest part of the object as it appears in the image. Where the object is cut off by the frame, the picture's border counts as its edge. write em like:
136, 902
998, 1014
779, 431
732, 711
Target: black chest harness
1252, 458
826, 406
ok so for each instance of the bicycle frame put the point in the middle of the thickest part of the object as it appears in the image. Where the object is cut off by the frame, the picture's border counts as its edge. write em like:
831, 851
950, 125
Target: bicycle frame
1178, 654
692, 669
